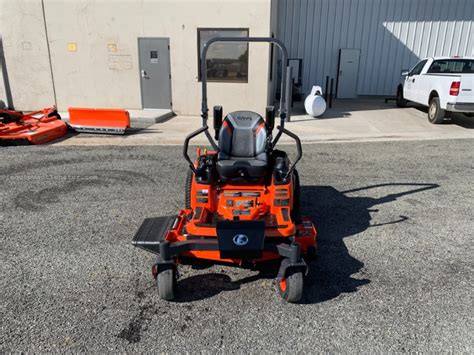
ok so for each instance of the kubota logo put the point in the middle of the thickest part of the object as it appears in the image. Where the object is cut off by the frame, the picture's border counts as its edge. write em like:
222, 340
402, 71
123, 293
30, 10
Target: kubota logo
240, 239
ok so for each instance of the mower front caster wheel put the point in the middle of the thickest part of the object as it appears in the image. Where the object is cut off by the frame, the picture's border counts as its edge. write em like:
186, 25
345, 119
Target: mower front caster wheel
166, 281
290, 287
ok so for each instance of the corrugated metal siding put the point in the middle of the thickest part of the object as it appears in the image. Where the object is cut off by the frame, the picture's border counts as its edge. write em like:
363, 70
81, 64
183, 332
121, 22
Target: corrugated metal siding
391, 34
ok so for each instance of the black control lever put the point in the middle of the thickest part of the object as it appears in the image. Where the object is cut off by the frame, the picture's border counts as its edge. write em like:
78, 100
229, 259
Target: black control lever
298, 148
186, 145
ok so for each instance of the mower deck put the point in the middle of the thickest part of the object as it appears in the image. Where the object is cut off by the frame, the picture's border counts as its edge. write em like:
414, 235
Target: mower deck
34, 128
167, 238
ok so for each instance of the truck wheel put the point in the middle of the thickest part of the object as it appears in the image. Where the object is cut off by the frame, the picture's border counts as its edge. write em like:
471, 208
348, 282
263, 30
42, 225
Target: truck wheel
166, 281
291, 286
435, 112
401, 102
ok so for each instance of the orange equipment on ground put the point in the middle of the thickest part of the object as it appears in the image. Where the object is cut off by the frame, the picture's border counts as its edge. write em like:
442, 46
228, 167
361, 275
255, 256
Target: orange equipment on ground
36, 127
99, 120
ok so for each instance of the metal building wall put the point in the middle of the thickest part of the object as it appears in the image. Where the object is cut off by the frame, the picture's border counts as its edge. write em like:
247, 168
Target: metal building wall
391, 35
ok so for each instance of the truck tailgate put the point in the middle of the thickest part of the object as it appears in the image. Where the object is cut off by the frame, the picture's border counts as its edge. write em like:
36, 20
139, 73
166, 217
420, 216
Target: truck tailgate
466, 92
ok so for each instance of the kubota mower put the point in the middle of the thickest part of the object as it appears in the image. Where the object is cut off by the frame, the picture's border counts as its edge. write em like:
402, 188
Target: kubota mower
36, 127
242, 198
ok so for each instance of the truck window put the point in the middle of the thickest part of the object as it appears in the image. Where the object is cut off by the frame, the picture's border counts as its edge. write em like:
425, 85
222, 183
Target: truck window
418, 68
452, 66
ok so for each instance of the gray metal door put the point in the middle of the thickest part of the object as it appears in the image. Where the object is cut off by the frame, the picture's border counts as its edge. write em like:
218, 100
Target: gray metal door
348, 71
155, 75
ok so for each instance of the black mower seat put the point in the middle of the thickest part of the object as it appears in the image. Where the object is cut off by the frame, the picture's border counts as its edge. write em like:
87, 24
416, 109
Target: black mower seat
242, 143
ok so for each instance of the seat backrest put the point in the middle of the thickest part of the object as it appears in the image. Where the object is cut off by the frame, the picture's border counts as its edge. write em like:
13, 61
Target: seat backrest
242, 135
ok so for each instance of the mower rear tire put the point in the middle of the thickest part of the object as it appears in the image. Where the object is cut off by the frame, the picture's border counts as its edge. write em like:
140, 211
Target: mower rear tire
166, 281
187, 189
312, 253
290, 287
296, 210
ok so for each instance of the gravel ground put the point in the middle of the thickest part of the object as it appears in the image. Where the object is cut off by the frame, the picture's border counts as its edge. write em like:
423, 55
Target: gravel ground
395, 271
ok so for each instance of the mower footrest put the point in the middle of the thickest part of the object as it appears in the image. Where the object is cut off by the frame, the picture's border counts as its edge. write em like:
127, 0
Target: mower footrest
153, 231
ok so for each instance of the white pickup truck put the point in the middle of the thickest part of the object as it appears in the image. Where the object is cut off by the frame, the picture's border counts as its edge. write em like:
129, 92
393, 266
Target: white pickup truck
441, 83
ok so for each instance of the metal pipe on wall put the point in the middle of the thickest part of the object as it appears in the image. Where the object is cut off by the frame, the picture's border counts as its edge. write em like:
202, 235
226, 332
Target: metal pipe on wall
289, 91
6, 82
330, 93
326, 87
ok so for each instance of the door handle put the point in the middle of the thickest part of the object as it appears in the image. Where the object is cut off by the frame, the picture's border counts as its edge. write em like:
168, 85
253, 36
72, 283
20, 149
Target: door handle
144, 74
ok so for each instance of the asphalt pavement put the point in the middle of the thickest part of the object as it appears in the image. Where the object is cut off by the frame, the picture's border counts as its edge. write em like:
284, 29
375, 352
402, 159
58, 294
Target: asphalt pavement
394, 272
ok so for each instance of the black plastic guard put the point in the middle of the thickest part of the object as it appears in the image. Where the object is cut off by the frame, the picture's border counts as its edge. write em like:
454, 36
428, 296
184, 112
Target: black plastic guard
152, 232
240, 239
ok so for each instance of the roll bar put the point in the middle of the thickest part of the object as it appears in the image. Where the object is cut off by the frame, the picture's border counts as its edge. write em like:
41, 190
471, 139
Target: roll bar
283, 104
284, 96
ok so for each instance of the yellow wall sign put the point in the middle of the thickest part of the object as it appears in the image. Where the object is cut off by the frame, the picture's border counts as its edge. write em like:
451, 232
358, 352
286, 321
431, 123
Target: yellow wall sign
72, 47
112, 47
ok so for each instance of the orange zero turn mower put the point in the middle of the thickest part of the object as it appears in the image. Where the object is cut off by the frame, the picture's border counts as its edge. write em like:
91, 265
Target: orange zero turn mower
242, 198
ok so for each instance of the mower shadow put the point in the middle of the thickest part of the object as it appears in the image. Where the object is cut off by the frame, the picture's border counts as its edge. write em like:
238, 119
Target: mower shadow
336, 216
199, 287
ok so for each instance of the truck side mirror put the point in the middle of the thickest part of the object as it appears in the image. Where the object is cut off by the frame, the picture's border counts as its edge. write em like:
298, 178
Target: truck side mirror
270, 118
217, 120
405, 72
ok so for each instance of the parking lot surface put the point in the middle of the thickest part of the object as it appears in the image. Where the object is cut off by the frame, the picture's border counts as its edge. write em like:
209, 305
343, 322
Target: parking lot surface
394, 272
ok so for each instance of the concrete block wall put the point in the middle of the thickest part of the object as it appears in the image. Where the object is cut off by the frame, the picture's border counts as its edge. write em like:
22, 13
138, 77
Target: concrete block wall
26, 54
102, 70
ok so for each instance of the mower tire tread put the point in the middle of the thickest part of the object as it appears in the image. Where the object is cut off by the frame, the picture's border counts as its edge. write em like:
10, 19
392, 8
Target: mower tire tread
296, 210
187, 190
293, 287
166, 281
312, 253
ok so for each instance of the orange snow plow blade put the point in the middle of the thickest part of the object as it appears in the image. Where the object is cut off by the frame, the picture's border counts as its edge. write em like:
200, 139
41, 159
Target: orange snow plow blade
99, 120
36, 127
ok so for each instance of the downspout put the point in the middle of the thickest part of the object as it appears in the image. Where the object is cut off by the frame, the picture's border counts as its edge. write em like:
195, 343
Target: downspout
49, 53
6, 82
